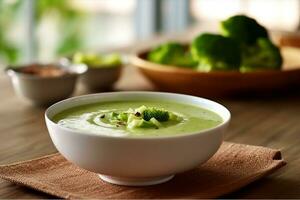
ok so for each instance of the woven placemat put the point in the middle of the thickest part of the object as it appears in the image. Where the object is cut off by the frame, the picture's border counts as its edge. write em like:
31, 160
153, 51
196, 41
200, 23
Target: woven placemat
232, 167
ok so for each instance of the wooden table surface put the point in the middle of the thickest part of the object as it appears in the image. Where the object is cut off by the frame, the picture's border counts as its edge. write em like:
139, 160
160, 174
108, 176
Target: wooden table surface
269, 121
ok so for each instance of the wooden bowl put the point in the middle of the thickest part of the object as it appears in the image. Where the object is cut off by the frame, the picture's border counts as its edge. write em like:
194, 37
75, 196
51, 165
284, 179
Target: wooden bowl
290, 39
181, 80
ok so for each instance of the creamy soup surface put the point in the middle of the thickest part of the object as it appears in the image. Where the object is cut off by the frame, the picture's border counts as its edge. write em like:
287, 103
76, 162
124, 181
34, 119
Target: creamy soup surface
138, 118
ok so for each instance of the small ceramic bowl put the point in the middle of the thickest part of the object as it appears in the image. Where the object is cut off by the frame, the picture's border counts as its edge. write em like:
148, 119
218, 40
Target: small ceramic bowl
101, 79
98, 79
136, 161
41, 90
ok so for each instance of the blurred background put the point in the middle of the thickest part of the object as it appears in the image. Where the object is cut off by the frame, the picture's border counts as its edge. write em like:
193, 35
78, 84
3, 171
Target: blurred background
33, 30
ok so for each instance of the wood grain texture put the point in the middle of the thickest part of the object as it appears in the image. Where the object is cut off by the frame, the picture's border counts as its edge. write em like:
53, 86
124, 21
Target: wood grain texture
272, 121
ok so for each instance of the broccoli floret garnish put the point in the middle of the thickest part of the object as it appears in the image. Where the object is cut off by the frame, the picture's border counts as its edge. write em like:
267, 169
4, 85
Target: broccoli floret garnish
243, 29
215, 52
123, 116
172, 54
263, 55
142, 117
158, 114
114, 115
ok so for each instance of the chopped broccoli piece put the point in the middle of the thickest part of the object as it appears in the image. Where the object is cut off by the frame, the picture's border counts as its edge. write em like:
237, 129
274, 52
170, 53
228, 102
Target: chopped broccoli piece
263, 55
243, 29
159, 114
215, 52
155, 122
141, 109
95, 60
141, 123
123, 116
174, 117
133, 123
114, 115
172, 54
132, 117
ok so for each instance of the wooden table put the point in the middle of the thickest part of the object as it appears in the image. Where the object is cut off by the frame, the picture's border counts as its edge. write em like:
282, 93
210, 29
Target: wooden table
270, 121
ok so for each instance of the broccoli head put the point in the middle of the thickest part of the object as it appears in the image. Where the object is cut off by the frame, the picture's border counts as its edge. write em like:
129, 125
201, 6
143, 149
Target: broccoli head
159, 114
171, 54
215, 52
243, 29
263, 55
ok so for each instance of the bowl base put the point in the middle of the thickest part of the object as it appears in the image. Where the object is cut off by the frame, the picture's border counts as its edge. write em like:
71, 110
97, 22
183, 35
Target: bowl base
135, 181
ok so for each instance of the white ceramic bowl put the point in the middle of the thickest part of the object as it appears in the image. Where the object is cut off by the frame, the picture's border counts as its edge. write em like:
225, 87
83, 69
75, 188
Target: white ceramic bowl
45, 90
101, 79
136, 161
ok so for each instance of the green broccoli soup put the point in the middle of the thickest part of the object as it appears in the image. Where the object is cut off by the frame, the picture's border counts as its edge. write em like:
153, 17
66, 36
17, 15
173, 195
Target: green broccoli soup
138, 118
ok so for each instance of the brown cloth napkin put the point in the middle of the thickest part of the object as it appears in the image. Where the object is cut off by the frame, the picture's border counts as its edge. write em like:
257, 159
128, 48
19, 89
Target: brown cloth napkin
232, 167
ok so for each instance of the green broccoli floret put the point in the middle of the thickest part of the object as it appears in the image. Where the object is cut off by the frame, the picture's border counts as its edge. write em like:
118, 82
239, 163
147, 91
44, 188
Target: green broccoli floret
171, 54
159, 114
97, 60
263, 55
215, 52
243, 29
258, 52
123, 116
114, 115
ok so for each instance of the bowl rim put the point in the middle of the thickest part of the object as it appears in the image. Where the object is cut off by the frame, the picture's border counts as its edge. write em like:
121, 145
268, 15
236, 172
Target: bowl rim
224, 123
12, 71
113, 68
139, 62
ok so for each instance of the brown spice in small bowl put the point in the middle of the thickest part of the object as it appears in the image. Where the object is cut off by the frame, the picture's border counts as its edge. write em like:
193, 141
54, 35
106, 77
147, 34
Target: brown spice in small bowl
43, 70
